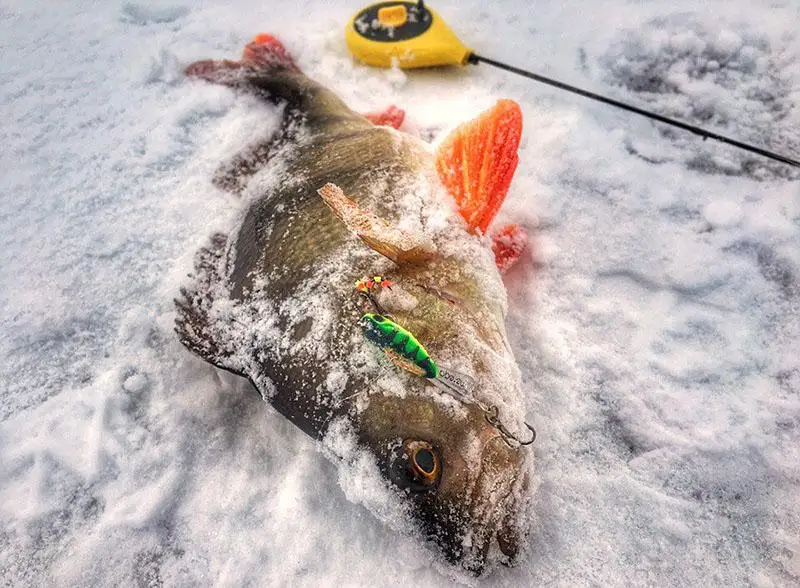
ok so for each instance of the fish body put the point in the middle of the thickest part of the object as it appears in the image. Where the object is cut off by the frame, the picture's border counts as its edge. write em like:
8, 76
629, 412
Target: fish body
274, 301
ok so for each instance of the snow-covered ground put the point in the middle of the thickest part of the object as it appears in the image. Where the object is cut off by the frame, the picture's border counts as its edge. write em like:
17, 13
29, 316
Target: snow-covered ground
657, 321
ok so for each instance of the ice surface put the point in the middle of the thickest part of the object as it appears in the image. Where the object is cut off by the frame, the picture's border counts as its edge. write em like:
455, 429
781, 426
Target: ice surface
655, 321
703, 72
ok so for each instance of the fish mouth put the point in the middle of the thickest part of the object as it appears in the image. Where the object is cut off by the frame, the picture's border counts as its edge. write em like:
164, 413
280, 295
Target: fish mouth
495, 503
472, 511
493, 530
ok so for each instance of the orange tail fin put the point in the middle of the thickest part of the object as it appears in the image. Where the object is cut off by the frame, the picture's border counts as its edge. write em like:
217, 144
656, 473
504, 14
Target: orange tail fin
267, 52
264, 53
476, 162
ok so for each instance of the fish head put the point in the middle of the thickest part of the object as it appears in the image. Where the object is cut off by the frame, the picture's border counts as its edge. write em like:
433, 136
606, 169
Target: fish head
464, 485
464, 478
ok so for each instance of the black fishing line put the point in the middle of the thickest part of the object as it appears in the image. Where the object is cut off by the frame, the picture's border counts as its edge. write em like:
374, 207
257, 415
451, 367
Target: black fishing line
475, 59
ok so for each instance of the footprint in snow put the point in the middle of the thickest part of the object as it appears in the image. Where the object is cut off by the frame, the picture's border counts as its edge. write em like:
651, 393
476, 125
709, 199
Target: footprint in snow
141, 14
732, 81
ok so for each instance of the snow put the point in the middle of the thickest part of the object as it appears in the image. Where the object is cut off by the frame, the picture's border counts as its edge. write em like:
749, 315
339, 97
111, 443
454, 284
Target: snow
655, 321
722, 213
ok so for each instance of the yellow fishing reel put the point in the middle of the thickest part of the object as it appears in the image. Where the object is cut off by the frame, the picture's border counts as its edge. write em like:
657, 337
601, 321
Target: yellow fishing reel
403, 34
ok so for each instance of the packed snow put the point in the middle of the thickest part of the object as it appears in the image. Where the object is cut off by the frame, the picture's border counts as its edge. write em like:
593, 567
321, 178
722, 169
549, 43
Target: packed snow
656, 318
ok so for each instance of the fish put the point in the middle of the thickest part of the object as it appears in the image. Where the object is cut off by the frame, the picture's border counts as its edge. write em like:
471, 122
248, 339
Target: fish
360, 294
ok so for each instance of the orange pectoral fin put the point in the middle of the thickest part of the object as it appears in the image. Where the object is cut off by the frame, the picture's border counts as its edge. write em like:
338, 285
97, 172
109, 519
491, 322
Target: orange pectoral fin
392, 242
476, 162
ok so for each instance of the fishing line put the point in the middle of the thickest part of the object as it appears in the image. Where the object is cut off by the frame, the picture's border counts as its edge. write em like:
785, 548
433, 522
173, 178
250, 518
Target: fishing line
408, 35
706, 134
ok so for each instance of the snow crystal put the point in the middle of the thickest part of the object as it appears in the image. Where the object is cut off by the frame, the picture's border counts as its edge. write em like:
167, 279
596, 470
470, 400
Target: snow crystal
396, 76
336, 382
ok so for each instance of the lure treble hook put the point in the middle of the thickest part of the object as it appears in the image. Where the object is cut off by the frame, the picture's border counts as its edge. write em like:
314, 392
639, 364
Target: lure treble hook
493, 418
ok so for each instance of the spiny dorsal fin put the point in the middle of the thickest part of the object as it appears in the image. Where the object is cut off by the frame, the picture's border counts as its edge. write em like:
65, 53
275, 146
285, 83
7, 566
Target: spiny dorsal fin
476, 162
390, 241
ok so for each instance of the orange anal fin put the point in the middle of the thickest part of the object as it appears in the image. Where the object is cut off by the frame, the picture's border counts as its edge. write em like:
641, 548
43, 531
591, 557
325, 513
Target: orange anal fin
390, 241
391, 117
476, 162
508, 244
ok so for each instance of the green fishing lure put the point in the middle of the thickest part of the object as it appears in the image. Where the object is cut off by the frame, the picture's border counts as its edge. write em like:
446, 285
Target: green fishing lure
408, 353
400, 345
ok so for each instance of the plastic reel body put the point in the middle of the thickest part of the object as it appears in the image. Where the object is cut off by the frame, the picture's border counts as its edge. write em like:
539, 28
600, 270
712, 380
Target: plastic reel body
403, 34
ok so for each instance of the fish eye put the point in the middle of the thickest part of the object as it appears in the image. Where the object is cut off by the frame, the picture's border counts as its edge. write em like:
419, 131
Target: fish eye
423, 463
415, 466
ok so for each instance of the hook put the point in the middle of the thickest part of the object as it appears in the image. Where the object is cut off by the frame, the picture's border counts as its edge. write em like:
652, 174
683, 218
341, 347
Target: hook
492, 418
375, 304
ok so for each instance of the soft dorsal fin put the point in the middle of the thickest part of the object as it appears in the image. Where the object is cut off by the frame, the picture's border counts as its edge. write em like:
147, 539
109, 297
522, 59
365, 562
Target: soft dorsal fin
390, 241
477, 161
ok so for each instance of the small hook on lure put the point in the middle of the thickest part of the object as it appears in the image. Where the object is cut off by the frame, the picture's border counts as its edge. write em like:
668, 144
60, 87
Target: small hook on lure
462, 387
370, 284
366, 287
